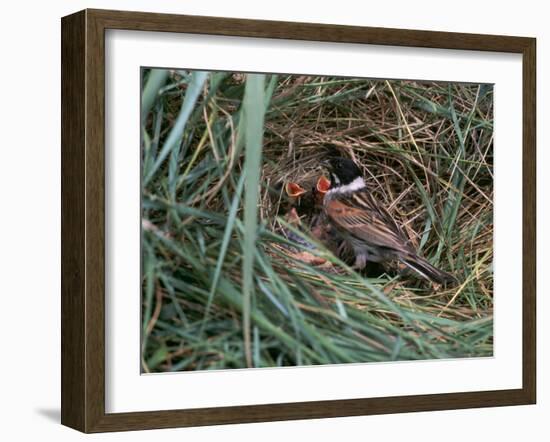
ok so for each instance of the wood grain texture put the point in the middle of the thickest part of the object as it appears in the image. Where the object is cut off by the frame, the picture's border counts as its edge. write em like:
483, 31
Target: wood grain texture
83, 220
95, 221
73, 253
307, 410
529, 221
144, 21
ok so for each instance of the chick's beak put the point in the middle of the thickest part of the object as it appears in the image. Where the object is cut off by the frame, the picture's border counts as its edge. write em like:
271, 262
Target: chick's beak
294, 190
293, 217
323, 185
321, 188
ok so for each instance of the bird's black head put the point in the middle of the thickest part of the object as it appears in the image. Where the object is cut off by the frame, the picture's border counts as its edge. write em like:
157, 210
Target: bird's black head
343, 171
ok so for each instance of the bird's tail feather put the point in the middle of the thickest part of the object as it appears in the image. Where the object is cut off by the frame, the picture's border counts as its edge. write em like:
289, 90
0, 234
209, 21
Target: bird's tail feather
428, 271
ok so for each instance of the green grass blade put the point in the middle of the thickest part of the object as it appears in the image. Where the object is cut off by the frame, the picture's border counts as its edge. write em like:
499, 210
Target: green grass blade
194, 89
254, 109
223, 249
155, 81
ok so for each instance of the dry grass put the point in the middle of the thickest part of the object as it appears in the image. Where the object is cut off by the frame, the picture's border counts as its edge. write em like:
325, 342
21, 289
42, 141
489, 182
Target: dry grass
426, 151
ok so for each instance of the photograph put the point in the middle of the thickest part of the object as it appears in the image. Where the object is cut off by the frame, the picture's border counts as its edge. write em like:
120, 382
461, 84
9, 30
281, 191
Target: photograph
292, 220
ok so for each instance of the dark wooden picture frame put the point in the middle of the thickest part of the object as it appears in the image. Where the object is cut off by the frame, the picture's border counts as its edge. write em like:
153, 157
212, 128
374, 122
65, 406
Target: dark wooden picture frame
83, 220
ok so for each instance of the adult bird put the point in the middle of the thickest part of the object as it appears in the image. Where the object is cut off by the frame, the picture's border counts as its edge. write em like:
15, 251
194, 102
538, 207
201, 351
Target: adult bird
366, 224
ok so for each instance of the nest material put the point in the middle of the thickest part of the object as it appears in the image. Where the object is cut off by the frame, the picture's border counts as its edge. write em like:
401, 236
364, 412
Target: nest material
426, 153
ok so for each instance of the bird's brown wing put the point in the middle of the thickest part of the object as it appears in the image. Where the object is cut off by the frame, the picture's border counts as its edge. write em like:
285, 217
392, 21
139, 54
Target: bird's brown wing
360, 216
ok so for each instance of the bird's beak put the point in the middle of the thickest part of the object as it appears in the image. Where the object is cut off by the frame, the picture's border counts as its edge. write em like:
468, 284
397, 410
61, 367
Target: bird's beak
321, 188
323, 185
293, 217
294, 190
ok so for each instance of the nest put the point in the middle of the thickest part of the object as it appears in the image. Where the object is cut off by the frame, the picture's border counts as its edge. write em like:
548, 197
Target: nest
426, 153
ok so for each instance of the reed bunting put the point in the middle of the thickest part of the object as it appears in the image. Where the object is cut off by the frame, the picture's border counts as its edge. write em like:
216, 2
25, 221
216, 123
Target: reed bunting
367, 226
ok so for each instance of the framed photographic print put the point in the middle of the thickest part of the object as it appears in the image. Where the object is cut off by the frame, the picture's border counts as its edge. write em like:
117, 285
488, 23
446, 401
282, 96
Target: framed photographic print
267, 220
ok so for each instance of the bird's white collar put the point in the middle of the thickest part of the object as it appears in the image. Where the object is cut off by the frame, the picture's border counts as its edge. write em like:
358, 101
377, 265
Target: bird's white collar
357, 184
